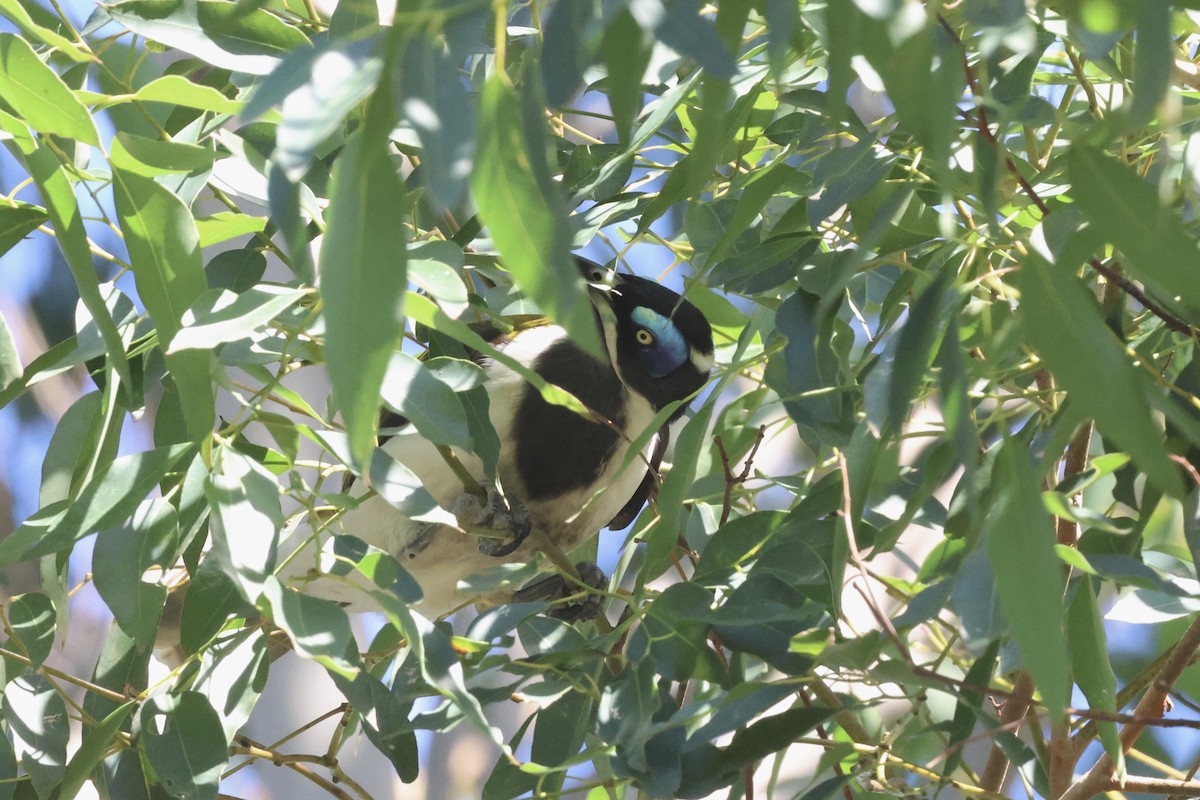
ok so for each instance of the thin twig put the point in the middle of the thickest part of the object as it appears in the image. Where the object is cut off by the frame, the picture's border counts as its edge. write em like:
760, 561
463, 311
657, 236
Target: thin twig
846, 513
732, 480
297, 763
820, 730
80, 682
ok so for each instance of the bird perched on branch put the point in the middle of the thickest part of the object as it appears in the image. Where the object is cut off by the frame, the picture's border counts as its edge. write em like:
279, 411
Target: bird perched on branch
562, 474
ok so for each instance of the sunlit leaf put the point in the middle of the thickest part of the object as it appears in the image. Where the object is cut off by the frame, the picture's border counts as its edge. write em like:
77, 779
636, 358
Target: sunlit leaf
37, 717
180, 736
38, 95
246, 519
164, 250
223, 34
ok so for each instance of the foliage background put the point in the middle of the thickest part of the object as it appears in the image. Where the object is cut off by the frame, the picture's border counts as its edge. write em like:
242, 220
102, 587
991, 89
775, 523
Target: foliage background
949, 253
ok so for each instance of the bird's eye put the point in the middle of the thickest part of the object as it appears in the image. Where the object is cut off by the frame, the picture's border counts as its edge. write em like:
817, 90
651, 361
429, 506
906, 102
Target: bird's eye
644, 337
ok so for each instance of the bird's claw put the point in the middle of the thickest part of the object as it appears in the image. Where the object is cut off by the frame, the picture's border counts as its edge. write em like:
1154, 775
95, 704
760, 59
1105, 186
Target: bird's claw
502, 514
557, 588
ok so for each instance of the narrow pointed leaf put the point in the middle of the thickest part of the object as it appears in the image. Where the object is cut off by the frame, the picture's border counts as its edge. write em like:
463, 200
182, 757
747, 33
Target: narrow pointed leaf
39, 96
362, 283
164, 250
1063, 321
1126, 210
1020, 545
527, 218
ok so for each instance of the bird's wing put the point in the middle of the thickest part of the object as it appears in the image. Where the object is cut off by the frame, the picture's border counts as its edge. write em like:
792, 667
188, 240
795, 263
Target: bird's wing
647, 488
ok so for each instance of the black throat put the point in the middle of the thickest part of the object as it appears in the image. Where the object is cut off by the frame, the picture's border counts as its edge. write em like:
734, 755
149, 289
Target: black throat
558, 451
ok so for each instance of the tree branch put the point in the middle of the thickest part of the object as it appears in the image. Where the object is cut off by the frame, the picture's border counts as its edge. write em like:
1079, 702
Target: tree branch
1015, 708
1131, 289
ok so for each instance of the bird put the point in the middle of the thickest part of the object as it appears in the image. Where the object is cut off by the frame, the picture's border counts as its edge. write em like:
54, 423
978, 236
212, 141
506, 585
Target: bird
560, 473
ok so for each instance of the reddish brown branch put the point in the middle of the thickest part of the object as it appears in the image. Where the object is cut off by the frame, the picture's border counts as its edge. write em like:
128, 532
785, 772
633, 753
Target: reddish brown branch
732, 480
1130, 288
1014, 710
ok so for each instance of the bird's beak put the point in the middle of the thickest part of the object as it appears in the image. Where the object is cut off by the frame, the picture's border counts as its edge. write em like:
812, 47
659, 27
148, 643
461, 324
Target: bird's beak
598, 278
600, 283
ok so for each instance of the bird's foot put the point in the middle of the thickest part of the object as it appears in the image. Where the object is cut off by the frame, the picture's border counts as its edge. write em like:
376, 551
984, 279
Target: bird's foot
584, 604
499, 514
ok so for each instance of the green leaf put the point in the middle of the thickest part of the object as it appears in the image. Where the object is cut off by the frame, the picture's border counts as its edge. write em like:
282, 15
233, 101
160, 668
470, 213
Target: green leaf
1020, 544
677, 625
970, 704
391, 480
425, 312
691, 443
1125, 209
233, 673
220, 316
435, 268
32, 618
438, 663
435, 103
16, 222
181, 738
37, 717
1062, 320
236, 270
111, 496
526, 215
226, 225
431, 405
756, 192
120, 667
16, 13
73, 447
677, 24
246, 519
58, 195
319, 629
322, 86
223, 34
626, 49
211, 600
122, 555
151, 157
94, 749
10, 359
164, 251
179, 91
1153, 59
914, 350
364, 295
8, 757
1091, 667
39, 96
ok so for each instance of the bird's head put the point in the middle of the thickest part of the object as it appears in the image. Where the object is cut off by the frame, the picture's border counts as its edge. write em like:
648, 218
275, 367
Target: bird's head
660, 344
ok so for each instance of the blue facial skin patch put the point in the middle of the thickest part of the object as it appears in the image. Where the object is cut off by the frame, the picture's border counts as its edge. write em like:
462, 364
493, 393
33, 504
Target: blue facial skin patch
669, 350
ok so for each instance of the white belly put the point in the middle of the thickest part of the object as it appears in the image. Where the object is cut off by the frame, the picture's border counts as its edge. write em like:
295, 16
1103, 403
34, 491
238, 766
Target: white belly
450, 555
